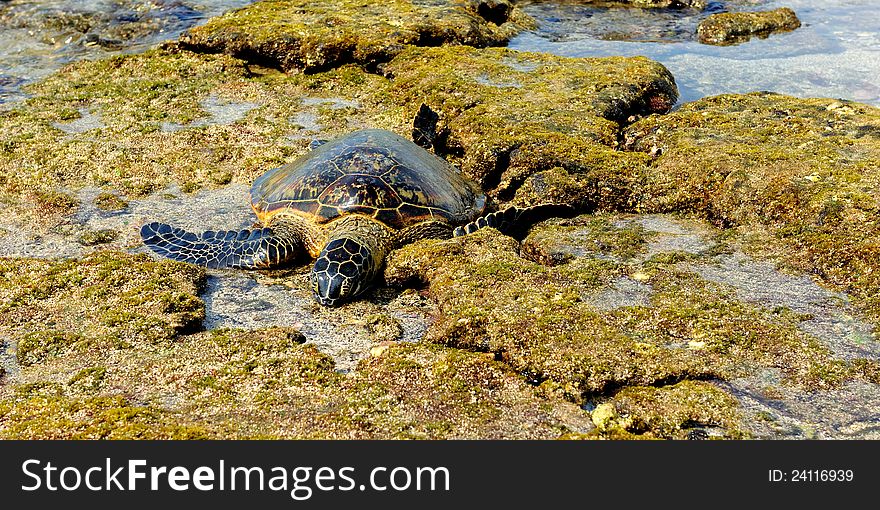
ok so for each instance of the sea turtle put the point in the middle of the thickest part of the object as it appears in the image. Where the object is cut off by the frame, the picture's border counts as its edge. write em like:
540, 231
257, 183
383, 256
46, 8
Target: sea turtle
348, 202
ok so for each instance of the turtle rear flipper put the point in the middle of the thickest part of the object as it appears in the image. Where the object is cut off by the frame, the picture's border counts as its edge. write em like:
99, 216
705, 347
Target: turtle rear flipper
515, 221
243, 249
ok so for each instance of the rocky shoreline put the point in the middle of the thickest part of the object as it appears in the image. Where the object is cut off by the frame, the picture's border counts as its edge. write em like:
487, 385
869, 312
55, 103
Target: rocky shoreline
636, 319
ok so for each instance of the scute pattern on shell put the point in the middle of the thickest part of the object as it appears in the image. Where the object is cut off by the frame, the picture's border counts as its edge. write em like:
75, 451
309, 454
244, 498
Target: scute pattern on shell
372, 172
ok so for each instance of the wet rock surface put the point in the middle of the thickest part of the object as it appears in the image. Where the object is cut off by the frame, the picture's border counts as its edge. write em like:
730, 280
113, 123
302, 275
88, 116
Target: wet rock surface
831, 55
319, 35
799, 176
39, 36
733, 28
265, 384
503, 115
612, 324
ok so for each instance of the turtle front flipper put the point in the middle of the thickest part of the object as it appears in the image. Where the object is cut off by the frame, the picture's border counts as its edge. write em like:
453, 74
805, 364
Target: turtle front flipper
515, 221
244, 249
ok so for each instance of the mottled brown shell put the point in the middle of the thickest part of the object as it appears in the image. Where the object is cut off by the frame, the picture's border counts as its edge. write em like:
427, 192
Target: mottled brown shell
372, 172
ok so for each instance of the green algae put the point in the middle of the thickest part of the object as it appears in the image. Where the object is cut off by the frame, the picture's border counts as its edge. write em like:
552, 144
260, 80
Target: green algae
135, 96
320, 35
556, 242
110, 202
267, 383
383, 328
95, 237
57, 417
38, 345
504, 115
737, 27
106, 299
797, 177
52, 203
430, 392
540, 319
668, 412
88, 380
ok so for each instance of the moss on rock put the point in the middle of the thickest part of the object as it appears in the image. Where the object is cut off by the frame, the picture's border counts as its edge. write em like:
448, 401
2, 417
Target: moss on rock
319, 35
799, 177
51, 203
267, 383
737, 27
558, 241
57, 417
106, 299
669, 412
541, 320
95, 237
137, 97
503, 115
110, 202
383, 328
648, 4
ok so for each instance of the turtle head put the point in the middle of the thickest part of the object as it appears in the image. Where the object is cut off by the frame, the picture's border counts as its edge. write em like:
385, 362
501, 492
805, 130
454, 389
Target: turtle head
343, 270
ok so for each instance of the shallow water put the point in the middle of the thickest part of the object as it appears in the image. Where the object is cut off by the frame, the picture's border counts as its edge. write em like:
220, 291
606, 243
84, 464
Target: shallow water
835, 53
39, 36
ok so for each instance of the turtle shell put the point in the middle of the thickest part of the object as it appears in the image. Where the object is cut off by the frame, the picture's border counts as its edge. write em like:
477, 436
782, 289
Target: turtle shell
372, 172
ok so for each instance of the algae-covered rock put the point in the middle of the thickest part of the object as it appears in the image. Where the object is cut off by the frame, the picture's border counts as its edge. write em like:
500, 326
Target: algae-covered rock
36, 416
137, 98
671, 412
318, 35
110, 202
266, 383
611, 312
105, 24
503, 115
96, 237
383, 328
799, 177
104, 300
559, 241
737, 27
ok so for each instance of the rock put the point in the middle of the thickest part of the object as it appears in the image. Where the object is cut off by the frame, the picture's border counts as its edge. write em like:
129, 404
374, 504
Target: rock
110, 202
109, 25
674, 411
604, 416
380, 349
504, 115
318, 35
558, 241
737, 27
95, 237
384, 328
105, 299
266, 384
530, 95
798, 176
550, 323
650, 4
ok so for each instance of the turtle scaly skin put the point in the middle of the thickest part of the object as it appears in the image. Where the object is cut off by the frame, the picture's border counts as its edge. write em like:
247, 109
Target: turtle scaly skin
346, 203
